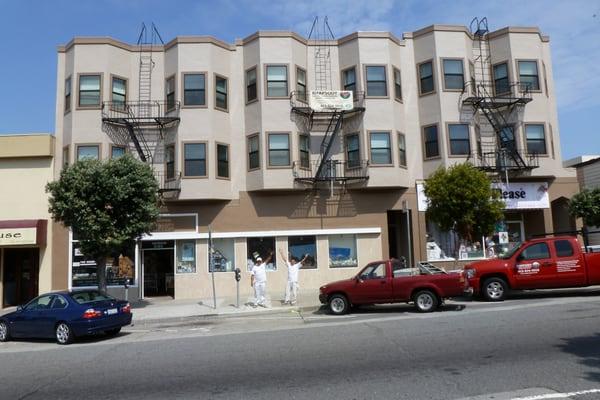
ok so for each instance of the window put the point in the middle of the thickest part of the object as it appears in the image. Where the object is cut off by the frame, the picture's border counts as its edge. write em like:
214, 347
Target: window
536, 138
458, 135
186, 257
253, 152
220, 92
454, 78
68, 95
376, 81
563, 248
342, 251
120, 265
59, 303
170, 92
65, 157
299, 246
304, 144
501, 78
535, 252
430, 137
507, 135
349, 79
117, 151
261, 247
89, 90
222, 161
279, 149
41, 303
195, 159
88, 152
373, 271
528, 75
426, 83
402, 149
277, 85
397, 84
223, 255
352, 151
251, 93
170, 162
194, 89
381, 149
119, 93
301, 84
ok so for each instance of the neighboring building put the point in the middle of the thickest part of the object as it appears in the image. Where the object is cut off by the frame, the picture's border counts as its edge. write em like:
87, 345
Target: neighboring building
588, 176
26, 268
235, 146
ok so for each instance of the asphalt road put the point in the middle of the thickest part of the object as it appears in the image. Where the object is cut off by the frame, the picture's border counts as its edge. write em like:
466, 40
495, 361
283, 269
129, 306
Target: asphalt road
533, 348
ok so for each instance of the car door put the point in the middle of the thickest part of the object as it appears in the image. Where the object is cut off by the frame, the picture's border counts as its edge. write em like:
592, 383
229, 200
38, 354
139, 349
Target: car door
29, 319
48, 318
534, 267
373, 285
570, 269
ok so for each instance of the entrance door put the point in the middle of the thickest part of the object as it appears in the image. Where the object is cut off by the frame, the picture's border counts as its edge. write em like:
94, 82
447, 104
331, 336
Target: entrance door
21, 270
158, 267
400, 235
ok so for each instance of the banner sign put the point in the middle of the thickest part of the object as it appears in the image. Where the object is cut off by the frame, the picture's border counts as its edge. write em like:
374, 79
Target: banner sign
331, 100
17, 236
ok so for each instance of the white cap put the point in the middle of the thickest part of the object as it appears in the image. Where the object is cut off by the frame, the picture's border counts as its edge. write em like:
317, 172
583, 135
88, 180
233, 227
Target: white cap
258, 259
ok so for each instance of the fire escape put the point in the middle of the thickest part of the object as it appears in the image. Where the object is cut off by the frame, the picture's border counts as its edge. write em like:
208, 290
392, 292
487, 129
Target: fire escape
496, 105
330, 168
144, 123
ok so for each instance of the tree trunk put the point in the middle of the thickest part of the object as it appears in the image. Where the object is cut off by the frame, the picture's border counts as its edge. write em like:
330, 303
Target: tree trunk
101, 271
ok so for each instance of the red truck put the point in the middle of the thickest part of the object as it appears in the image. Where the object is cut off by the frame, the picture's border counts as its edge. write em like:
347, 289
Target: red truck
392, 281
544, 263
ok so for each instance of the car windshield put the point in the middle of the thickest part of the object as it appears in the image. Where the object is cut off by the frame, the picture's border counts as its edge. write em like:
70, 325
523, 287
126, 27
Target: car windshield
90, 296
511, 252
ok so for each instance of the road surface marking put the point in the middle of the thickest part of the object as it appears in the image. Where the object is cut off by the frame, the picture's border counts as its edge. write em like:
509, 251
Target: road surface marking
557, 395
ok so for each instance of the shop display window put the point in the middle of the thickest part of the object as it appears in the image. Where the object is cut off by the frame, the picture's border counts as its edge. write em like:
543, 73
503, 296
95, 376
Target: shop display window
119, 267
342, 251
186, 257
299, 246
223, 255
261, 247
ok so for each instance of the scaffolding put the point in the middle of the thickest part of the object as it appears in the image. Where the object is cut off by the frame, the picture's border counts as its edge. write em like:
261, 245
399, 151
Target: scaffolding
496, 107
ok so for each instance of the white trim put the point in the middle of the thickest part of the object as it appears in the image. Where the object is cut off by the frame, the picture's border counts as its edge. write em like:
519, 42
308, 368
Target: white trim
70, 257
247, 234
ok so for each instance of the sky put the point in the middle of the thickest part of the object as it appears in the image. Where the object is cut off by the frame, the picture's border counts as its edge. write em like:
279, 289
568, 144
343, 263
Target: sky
31, 30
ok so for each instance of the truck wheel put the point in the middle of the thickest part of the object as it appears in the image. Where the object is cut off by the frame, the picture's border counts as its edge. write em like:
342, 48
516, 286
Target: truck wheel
425, 301
494, 289
338, 304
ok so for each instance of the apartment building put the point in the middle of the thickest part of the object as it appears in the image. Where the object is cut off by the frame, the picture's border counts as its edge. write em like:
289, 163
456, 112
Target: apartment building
245, 160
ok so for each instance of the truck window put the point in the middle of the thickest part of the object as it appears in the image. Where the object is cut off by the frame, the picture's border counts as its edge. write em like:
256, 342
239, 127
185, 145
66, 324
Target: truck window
563, 248
536, 251
373, 271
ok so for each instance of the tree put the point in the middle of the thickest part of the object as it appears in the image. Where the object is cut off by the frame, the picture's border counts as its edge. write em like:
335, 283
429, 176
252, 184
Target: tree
461, 198
586, 205
108, 204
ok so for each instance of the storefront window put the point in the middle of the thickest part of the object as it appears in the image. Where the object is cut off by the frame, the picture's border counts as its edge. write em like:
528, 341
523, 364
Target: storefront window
447, 245
119, 267
223, 255
299, 246
261, 247
186, 257
342, 251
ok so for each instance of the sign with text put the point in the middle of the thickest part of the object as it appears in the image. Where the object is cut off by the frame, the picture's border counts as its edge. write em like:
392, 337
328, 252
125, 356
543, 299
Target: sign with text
17, 236
331, 100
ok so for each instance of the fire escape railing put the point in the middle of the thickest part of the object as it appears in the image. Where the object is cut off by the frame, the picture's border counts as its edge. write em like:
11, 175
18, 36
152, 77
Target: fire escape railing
331, 170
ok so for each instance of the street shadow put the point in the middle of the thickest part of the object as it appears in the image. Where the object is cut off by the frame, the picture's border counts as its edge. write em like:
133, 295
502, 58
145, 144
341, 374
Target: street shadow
391, 309
587, 349
548, 293
96, 338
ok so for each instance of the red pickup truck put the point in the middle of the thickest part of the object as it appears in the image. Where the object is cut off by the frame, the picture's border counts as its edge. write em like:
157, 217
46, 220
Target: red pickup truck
556, 262
392, 281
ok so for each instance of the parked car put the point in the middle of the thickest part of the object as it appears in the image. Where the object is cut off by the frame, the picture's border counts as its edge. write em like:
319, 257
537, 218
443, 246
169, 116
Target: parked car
392, 281
65, 316
545, 263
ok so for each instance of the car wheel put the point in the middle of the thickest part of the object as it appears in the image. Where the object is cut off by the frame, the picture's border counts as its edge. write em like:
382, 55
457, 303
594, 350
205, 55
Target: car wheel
64, 334
4, 332
494, 289
338, 304
113, 332
425, 301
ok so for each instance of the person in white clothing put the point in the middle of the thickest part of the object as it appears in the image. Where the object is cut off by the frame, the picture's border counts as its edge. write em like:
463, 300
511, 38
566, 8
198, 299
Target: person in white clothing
291, 288
258, 280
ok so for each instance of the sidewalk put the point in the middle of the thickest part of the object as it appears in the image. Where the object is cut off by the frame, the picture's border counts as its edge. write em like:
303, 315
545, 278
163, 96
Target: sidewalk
152, 310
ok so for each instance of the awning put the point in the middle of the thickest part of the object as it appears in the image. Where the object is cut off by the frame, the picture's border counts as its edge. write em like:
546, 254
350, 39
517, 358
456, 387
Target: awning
20, 232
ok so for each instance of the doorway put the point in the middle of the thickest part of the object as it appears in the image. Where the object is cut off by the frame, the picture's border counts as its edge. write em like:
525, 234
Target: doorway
400, 236
21, 272
158, 267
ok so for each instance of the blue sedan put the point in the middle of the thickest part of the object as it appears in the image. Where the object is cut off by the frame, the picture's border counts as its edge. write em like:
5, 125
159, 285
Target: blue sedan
65, 316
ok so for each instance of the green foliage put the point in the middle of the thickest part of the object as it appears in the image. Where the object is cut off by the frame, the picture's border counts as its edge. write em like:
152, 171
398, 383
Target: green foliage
586, 205
461, 198
109, 204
